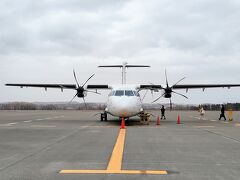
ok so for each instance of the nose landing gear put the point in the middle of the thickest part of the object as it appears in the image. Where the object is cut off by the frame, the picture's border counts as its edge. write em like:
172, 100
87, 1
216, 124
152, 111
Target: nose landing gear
104, 116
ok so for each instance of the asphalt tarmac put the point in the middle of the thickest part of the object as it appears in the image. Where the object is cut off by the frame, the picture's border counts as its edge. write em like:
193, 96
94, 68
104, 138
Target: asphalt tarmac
38, 145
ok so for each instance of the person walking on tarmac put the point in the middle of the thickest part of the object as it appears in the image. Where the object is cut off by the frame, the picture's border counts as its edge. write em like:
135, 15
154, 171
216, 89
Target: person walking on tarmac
222, 113
163, 112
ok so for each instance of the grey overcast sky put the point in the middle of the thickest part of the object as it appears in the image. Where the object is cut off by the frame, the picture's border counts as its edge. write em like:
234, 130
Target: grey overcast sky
42, 41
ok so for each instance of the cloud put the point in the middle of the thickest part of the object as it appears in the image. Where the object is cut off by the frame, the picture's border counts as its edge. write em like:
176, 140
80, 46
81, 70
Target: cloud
43, 41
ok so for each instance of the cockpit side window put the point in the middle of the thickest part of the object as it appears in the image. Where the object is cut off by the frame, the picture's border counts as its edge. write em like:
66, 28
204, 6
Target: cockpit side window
136, 93
119, 93
129, 93
112, 93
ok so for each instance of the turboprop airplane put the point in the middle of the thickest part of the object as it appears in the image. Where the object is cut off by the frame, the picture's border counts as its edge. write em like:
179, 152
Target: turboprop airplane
124, 100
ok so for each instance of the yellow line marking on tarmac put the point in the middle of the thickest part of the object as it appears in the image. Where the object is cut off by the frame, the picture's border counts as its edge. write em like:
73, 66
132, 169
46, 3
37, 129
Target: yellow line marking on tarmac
114, 172
115, 163
204, 126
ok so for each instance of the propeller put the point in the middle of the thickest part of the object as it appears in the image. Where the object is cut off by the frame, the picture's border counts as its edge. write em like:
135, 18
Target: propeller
169, 90
151, 90
145, 95
81, 91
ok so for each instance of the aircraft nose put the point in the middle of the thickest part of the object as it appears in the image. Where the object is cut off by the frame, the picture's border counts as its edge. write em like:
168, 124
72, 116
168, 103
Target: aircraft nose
126, 107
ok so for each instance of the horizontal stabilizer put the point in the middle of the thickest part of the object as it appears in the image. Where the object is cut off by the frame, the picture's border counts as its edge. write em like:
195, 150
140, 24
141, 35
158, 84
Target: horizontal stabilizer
127, 66
124, 66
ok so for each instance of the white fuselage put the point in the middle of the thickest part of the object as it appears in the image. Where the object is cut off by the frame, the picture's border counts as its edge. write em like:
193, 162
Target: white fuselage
124, 101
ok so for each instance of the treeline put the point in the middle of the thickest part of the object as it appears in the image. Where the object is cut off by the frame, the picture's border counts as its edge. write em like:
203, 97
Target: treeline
55, 106
207, 107
28, 106
101, 106
214, 107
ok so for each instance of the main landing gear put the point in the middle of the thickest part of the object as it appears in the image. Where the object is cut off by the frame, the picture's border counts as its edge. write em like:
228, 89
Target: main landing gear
144, 118
104, 116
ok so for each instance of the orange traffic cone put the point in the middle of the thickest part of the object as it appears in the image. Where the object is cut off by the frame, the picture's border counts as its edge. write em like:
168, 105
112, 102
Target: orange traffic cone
178, 120
158, 121
123, 124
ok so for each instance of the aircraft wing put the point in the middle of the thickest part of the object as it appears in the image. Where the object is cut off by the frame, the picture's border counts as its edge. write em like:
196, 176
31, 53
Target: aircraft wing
203, 86
99, 86
190, 86
61, 86
151, 86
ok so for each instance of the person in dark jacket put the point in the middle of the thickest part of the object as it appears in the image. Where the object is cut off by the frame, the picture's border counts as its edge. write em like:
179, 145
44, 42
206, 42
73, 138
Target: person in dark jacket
222, 114
163, 113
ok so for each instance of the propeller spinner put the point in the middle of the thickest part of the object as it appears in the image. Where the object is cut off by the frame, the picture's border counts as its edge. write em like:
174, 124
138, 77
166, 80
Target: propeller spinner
81, 91
168, 90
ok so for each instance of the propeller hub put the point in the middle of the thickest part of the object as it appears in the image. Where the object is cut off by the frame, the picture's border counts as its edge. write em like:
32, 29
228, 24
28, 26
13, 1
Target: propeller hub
168, 90
81, 92
168, 95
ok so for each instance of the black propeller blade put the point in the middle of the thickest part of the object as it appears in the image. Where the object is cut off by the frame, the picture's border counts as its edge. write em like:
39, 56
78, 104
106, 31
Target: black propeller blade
80, 89
169, 90
170, 104
88, 80
180, 94
76, 78
159, 98
178, 81
85, 103
166, 78
145, 95
73, 98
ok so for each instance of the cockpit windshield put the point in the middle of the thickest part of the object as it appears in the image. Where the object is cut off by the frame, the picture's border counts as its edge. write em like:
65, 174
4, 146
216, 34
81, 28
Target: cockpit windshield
124, 93
119, 93
129, 93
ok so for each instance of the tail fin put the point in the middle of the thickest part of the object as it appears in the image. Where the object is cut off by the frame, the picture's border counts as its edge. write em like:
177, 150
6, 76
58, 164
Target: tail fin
124, 66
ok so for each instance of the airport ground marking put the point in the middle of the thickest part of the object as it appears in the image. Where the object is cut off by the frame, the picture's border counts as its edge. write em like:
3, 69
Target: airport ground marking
43, 126
143, 172
237, 125
115, 163
13, 123
27, 121
204, 126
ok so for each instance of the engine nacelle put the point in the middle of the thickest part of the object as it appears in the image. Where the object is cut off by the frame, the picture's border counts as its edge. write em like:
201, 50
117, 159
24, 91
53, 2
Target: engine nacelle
168, 95
81, 93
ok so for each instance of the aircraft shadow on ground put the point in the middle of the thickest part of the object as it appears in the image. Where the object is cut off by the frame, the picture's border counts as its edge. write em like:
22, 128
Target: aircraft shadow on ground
117, 122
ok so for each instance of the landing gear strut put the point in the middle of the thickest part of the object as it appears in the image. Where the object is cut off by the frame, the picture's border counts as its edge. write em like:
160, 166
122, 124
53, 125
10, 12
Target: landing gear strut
104, 116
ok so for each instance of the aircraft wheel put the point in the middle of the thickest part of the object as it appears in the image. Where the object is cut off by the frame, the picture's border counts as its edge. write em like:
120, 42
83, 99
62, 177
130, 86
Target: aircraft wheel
102, 116
105, 116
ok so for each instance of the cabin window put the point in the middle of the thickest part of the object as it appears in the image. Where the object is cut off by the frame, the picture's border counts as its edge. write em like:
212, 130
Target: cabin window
129, 93
119, 93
